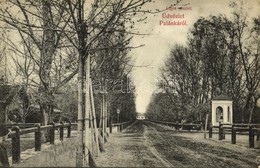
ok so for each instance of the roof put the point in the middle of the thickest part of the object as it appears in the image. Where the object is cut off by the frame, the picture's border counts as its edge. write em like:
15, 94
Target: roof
222, 97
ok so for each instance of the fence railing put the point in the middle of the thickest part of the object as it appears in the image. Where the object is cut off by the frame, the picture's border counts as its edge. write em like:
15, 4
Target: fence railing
20, 125
16, 132
180, 126
21, 129
250, 129
120, 126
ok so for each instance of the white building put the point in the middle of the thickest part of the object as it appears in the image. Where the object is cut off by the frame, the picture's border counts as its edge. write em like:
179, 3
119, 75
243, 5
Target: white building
222, 110
140, 116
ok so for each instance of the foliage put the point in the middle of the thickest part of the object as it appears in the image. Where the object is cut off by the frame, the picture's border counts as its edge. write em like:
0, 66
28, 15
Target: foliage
222, 57
53, 41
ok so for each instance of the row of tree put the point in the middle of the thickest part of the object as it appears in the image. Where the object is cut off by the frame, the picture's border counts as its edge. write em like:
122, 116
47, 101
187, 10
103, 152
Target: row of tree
60, 45
50, 42
221, 58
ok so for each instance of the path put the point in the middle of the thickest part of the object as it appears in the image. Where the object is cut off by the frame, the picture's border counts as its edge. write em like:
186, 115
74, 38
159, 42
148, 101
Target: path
145, 144
189, 150
149, 145
131, 149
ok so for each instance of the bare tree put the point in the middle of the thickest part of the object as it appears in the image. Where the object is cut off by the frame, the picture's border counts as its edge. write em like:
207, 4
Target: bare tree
222, 58
249, 55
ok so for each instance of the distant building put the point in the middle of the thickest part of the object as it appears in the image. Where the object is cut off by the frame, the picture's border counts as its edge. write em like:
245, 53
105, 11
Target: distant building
15, 107
222, 110
140, 116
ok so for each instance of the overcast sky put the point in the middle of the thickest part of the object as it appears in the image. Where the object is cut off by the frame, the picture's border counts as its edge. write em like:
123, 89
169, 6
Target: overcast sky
162, 38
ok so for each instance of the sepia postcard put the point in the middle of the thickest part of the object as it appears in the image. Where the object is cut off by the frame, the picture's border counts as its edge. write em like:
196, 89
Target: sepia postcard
130, 83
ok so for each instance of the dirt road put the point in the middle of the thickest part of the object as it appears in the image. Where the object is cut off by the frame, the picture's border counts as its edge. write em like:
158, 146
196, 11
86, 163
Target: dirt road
145, 144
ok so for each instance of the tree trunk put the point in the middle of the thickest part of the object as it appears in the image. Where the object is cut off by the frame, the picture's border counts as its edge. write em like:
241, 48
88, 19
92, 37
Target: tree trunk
46, 58
79, 157
87, 114
246, 106
252, 109
47, 53
3, 115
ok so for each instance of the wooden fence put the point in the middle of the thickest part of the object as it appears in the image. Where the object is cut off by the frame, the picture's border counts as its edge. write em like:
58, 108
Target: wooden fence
120, 126
250, 129
16, 132
21, 129
180, 126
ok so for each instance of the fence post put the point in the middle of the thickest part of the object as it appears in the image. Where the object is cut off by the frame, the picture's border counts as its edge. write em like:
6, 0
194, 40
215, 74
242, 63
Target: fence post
251, 137
223, 133
257, 135
52, 133
220, 131
110, 127
210, 131
16, 145
233, 135
69, 130
61, 131
121, 127
177, 126
38, 138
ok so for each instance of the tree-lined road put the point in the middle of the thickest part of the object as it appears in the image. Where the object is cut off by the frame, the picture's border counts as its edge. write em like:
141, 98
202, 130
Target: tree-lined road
145, 144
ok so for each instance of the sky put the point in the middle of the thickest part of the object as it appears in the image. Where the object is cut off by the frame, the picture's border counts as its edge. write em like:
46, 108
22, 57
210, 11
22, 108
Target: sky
162, 38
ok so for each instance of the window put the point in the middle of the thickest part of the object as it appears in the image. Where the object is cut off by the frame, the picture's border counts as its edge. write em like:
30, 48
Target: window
219, 114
